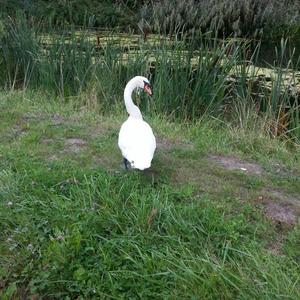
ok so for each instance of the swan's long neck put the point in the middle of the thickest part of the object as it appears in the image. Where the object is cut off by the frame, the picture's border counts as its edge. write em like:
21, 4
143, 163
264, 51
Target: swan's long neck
131, 108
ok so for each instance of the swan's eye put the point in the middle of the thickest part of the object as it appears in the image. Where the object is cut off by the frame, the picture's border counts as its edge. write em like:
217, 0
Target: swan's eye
147, 88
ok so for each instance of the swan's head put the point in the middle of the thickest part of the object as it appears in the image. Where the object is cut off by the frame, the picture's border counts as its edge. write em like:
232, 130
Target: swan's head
143, 83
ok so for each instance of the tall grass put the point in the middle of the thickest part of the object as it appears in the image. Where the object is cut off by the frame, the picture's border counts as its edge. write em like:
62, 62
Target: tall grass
190, 76
56, 63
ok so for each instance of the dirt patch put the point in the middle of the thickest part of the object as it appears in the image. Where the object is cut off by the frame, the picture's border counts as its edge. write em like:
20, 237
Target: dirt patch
290, 199
47, 141
21, 127
57, 119
111, 163
279, 207
279, 213
166, 145
201, 174
233, 163
283, 210
74, 145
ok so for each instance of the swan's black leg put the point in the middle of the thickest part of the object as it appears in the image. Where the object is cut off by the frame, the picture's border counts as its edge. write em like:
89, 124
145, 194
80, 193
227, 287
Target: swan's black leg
125, 163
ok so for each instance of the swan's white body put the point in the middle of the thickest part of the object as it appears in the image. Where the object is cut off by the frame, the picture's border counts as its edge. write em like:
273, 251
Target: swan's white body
136, 139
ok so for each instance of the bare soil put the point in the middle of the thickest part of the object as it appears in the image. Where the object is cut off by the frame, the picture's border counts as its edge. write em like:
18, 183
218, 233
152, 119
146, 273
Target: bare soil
233, 163
74, 145
166, 145
280, 213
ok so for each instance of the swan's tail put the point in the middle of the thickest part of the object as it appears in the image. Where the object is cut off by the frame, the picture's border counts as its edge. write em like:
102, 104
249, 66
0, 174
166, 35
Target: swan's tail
141, 163
142, 166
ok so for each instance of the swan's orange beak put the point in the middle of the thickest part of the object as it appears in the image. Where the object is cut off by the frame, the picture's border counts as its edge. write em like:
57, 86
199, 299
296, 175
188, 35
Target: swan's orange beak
147, 89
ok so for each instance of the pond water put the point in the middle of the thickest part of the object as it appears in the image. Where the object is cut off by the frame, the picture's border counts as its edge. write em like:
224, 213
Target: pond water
271, 53
268, 56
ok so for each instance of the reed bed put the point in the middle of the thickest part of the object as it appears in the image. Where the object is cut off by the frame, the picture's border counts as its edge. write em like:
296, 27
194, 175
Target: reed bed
192, 77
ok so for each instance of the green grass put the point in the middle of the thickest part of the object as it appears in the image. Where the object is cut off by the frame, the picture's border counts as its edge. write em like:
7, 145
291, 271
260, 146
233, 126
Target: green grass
75, 225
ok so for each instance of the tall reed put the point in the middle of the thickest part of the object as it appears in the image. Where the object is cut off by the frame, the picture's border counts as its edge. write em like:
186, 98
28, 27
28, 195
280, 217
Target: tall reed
191, 77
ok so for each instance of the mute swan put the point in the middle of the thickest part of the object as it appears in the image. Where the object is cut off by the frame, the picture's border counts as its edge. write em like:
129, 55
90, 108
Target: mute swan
136, 140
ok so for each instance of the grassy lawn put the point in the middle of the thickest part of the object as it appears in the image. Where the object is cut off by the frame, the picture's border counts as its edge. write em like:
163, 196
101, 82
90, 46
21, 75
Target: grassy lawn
216, 217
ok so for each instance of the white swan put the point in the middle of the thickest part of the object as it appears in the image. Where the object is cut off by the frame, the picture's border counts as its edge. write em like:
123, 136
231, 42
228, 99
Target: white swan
136, 139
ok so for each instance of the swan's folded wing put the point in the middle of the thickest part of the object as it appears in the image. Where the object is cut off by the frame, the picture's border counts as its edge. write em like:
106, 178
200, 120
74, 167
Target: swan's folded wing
137, 142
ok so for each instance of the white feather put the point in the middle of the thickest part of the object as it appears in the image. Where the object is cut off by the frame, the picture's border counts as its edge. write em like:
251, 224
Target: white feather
136, 139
